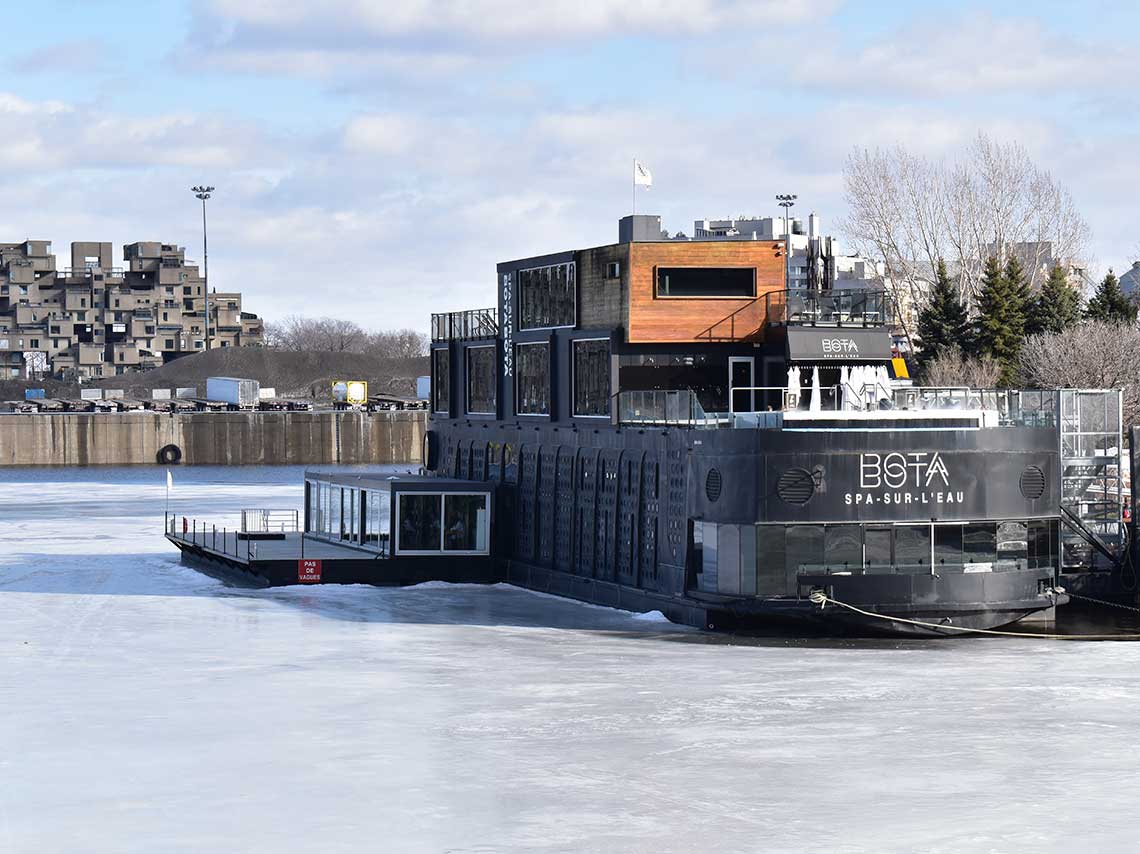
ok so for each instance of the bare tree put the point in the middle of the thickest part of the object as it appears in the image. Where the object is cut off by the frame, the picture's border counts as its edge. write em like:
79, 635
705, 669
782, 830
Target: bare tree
397, 344
1092, 355
908, 211
951, 368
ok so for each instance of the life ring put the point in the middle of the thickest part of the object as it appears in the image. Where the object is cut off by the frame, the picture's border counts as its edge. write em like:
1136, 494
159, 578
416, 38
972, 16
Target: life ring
170, 454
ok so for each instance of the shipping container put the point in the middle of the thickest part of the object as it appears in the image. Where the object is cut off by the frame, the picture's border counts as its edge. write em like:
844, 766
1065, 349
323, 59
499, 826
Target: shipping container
233, 390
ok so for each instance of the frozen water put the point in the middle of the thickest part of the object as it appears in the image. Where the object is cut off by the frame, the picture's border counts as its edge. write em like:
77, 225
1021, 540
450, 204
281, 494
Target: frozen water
145, 707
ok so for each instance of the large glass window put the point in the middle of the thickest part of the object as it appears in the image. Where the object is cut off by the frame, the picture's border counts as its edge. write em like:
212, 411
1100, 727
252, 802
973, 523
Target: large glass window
947, 545
335, 515
706, 282
373, 503
1042, 543
843, 548
592, 377
805, 548
979, 542
912, 548
547, 296
434, 522
464, 518
771, 561
878, 550
441, 381
1012, 544
481, 385
419, 522
532, 367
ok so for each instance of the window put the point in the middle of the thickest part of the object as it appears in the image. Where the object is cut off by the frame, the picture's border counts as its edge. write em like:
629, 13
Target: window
979, 543
912, 548
431, 522
547, 296
464, 523
35, 343
186, 289
481, 386
441, 381
168, 344
419, 522
948, 545
592, 378
613, 270
843, 547
804, 546
724, 282
532, 367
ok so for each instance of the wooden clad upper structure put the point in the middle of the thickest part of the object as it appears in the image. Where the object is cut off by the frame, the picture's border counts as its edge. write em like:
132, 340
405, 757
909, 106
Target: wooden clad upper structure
654, 317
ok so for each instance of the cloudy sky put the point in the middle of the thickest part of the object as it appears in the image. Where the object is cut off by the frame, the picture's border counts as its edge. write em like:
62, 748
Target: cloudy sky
374, 159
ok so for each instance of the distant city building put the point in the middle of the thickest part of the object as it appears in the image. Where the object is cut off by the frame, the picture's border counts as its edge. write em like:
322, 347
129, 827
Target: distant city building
1130, 281
93, 319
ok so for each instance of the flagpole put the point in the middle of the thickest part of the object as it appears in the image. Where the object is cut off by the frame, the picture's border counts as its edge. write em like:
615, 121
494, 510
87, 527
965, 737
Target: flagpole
635, 186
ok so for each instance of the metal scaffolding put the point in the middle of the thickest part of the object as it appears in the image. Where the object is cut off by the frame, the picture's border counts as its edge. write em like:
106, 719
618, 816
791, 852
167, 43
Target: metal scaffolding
1092, 484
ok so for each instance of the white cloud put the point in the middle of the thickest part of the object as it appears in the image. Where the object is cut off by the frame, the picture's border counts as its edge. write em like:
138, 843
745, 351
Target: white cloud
328, 39
975, 54
511, 19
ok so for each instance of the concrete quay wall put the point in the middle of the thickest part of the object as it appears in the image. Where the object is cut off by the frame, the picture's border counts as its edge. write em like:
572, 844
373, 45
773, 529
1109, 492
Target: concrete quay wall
213, 438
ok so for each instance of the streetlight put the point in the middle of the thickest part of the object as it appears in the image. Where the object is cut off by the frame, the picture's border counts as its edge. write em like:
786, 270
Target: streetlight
203, 193
787, 202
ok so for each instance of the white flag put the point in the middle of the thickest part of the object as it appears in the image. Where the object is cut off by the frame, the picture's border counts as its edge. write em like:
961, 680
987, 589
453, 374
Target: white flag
641, 175
169, 480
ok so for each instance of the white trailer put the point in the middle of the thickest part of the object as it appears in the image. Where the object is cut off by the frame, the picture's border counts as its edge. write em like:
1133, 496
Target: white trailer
237, 392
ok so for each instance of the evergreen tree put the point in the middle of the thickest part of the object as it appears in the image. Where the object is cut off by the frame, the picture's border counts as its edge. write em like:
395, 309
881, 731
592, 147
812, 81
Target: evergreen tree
1000, 326
943, 323
1110, 304
1020, 294
1057, 307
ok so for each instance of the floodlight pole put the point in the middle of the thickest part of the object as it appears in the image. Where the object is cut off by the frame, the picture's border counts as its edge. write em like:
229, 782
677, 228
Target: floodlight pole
786, 202
203, 193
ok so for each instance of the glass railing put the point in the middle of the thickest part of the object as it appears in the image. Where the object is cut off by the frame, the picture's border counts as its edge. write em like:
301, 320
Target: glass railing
839, 307
1015, 407
680, 407
464, 325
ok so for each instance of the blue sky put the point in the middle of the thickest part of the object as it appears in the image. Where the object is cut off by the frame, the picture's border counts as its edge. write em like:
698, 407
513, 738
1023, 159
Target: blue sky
375, 160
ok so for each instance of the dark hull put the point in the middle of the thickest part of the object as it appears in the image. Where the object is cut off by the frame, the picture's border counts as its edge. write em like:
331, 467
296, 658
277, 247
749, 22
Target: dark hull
605, 516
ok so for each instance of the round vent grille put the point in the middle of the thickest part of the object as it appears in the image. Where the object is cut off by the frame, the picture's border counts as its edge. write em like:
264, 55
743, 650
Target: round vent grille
1032, 482
713, 485
796, 486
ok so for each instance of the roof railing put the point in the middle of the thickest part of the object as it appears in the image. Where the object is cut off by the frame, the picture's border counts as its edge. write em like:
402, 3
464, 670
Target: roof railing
839, 307
465, 325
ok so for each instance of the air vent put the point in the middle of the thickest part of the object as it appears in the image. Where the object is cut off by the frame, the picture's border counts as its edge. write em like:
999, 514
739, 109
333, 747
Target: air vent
713, 485
796, 486
1032, 483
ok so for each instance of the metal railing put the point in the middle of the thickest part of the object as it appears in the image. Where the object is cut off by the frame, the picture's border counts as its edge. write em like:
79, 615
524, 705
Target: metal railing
464, 325
1015, 407
264, 521
1000, 564
846, 307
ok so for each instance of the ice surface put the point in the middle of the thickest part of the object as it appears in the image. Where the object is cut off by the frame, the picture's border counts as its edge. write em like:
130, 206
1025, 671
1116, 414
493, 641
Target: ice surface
145, 707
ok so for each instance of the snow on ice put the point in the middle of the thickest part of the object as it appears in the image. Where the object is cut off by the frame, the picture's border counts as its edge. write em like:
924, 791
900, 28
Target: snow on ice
145, 707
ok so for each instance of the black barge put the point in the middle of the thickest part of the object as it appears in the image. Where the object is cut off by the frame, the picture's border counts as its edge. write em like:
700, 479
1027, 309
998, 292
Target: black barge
665, 425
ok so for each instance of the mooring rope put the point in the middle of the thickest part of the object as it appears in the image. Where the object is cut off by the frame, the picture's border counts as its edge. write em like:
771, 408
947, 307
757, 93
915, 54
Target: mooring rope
1104, 602
820, 598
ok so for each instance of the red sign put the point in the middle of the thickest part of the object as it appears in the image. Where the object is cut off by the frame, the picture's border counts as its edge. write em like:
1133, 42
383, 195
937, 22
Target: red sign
309, 571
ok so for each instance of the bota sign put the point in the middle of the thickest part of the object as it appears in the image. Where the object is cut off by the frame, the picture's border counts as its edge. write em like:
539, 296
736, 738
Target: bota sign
914, 477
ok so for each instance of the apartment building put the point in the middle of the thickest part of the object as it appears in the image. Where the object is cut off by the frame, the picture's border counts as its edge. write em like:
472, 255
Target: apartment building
94, 319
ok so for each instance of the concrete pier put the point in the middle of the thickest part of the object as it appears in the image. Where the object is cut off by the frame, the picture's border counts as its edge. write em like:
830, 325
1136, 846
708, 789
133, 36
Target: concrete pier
213, 438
